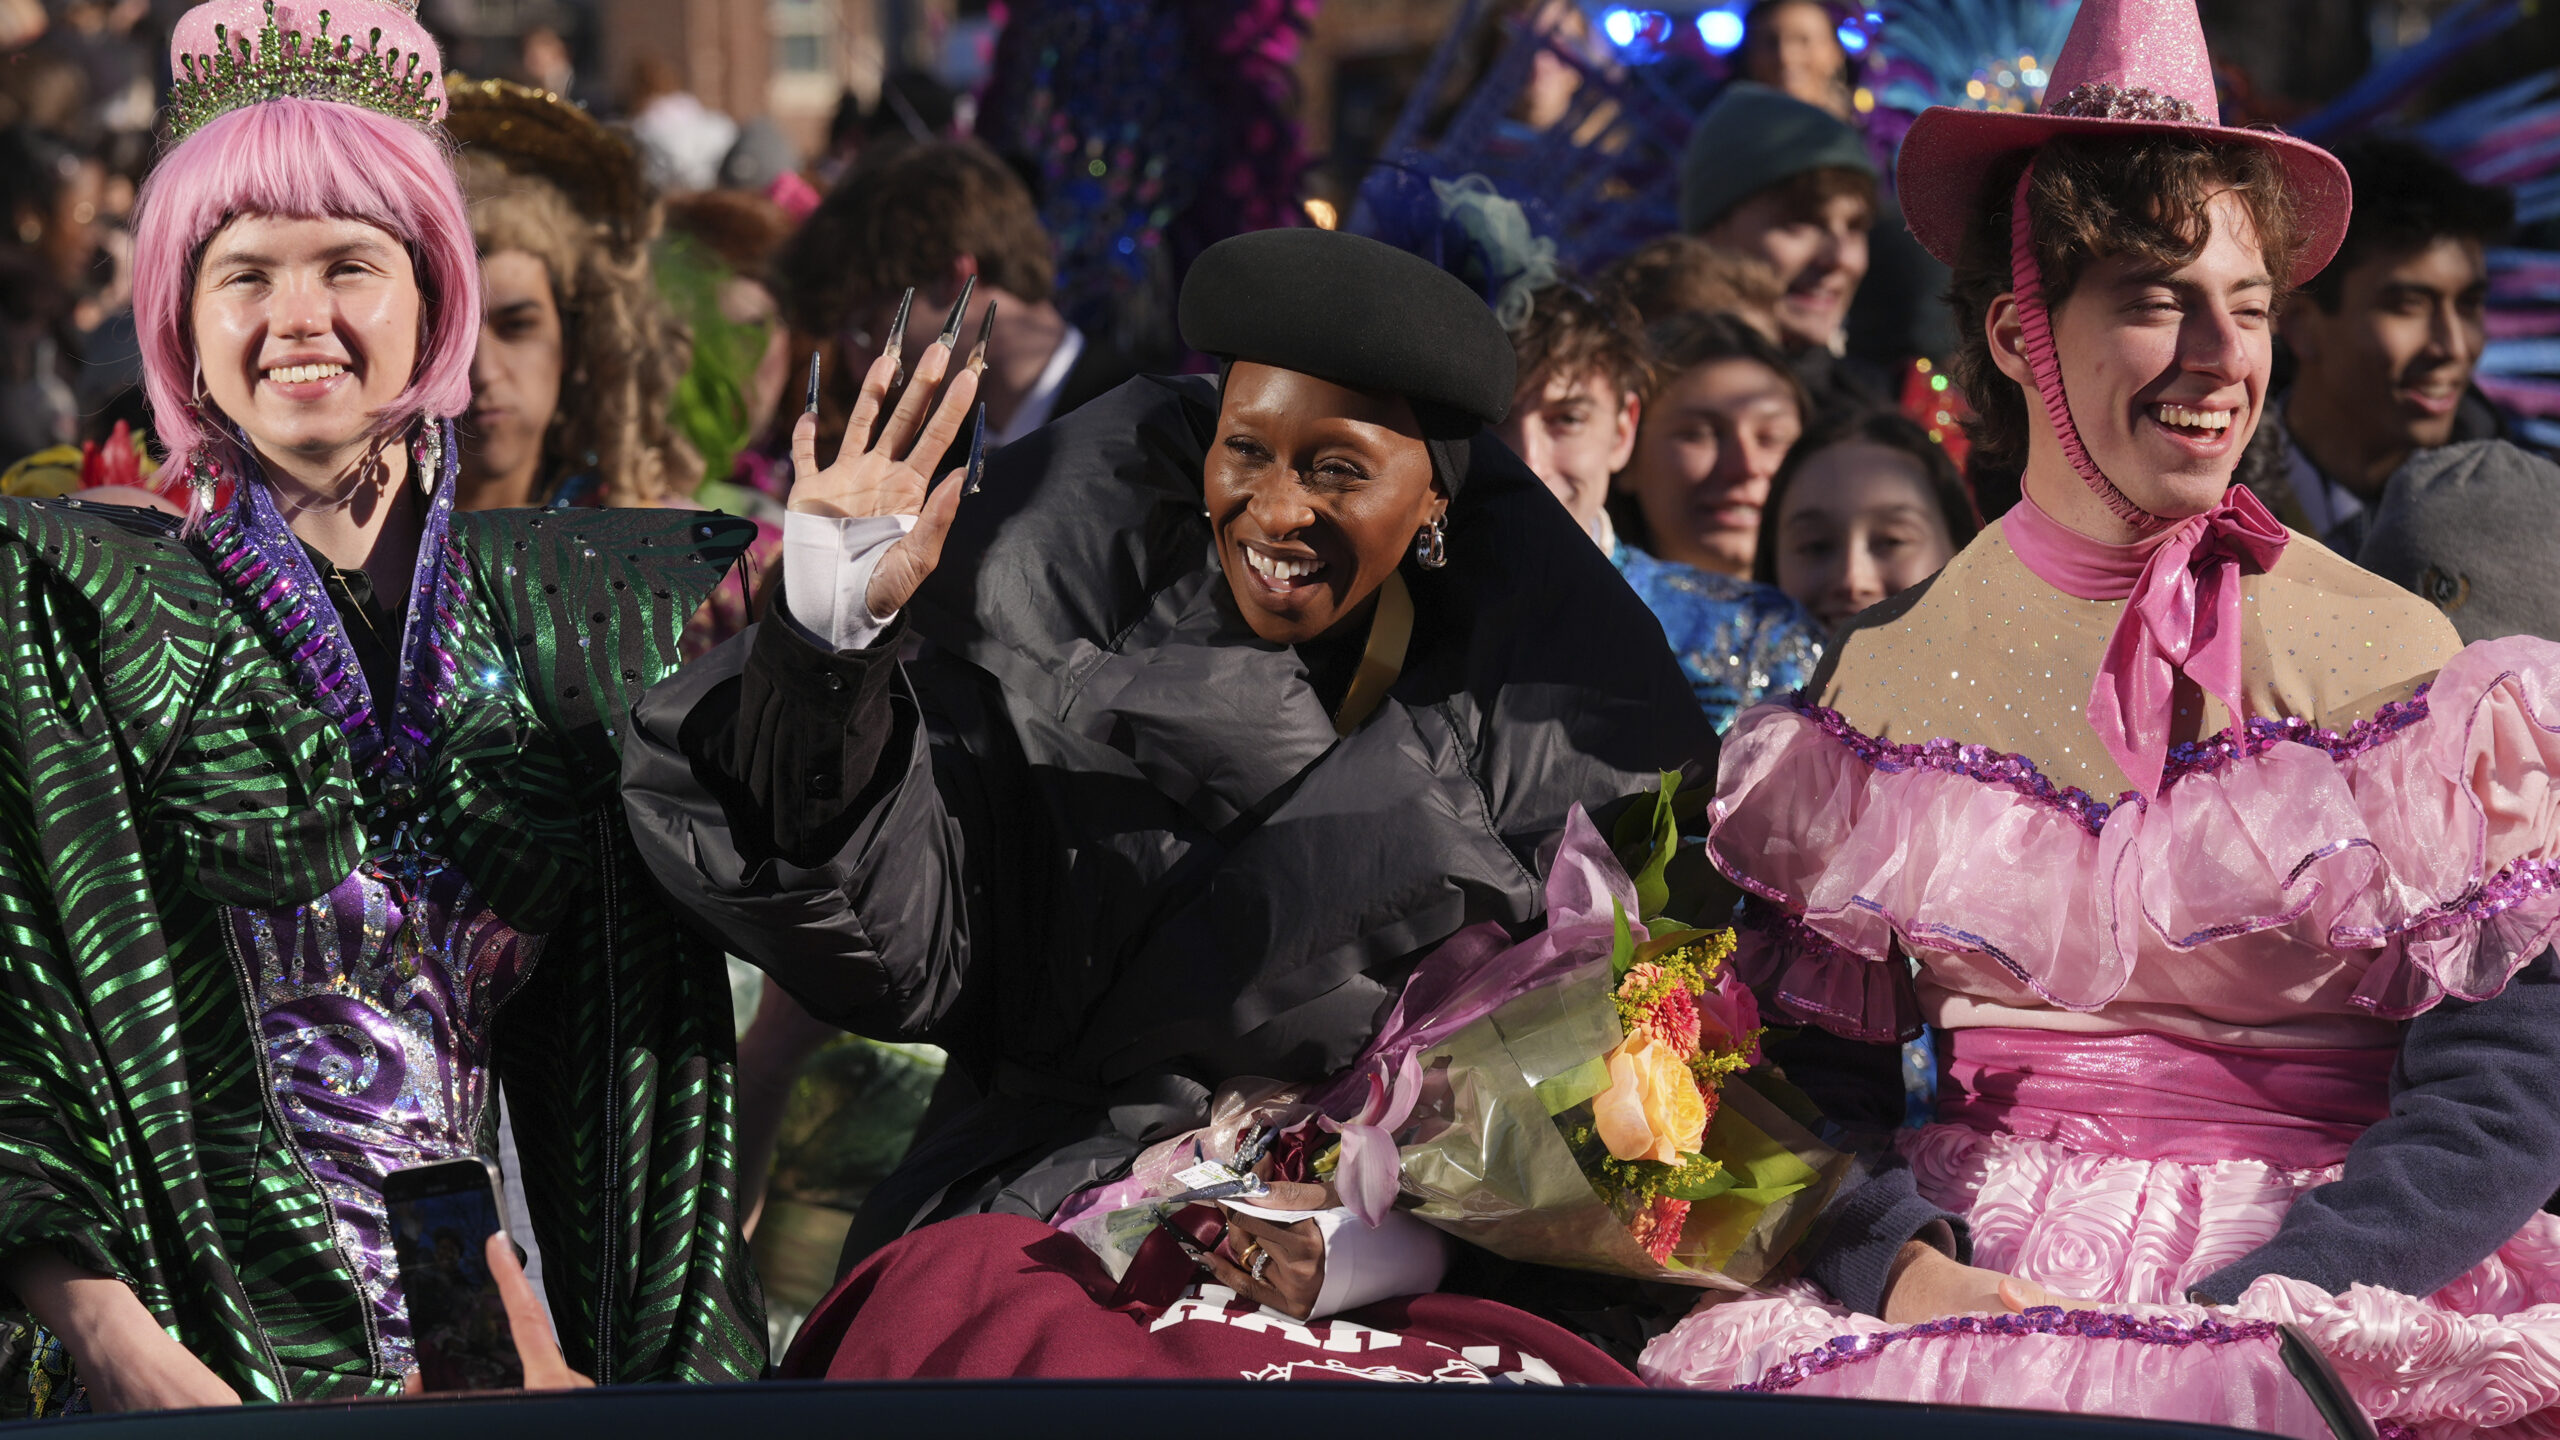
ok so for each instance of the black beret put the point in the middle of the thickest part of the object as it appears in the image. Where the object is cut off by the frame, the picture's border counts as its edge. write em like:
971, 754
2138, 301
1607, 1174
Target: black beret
1357, 312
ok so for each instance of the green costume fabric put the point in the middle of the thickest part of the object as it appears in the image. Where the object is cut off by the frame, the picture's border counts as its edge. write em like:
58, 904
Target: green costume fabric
157, 762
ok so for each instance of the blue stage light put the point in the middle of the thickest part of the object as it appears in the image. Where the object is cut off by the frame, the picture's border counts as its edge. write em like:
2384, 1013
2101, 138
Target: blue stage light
1720, 29
1853, 39
1620, 26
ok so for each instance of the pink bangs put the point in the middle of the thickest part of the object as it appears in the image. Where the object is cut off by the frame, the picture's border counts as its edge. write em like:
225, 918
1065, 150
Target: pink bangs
303, 159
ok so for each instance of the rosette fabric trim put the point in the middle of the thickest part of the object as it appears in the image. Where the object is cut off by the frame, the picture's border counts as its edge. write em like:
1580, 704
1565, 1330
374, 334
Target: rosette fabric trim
2127, 1236
2427, 838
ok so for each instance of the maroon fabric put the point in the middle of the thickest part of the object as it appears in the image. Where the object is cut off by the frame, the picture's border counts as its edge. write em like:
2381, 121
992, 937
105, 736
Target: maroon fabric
1162, 1270
993, 1296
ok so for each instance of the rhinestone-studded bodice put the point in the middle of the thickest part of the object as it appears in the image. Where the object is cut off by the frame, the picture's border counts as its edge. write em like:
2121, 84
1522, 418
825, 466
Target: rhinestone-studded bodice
374, 1005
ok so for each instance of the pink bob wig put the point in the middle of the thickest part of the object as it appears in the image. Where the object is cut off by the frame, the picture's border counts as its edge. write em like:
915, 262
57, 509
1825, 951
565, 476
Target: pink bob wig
305, 159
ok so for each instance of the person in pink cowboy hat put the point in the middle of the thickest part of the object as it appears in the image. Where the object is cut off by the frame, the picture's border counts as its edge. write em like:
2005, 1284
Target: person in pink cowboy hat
2225, 868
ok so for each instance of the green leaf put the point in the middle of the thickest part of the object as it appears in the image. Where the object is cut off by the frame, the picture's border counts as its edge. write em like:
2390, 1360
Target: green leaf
1666, 941
1652, 891
1766, 1194
1622, 942
1705, 1188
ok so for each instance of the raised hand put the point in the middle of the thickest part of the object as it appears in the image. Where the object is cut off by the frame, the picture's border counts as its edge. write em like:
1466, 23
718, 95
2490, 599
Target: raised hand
893, 474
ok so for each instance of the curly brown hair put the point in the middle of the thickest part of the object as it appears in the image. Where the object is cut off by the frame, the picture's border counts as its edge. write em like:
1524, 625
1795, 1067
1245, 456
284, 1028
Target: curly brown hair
1682, 274
2093, 199
622, 350
1575, 331
903, 220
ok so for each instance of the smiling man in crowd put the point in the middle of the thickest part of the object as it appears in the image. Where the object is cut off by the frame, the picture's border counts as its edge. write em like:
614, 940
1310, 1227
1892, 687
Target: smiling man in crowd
1767, 176
2385, 342
1583, 371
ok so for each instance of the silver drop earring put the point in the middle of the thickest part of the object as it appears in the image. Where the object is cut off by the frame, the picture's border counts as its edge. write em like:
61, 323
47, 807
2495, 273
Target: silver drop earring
1431, 546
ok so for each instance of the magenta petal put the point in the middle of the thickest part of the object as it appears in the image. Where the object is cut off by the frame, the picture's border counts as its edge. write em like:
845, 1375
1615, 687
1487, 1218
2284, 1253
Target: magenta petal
1586, 877
1369, 1174
1403, 1093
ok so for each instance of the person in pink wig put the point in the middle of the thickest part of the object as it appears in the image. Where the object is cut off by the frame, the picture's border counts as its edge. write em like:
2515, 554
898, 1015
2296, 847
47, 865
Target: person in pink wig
315, 840
2224, 868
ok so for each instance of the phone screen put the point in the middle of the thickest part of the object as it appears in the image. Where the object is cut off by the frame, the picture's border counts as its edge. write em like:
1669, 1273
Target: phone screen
442, 1216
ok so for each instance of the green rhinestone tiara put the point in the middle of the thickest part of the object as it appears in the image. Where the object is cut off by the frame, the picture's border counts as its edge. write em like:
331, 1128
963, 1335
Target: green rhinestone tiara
282, 63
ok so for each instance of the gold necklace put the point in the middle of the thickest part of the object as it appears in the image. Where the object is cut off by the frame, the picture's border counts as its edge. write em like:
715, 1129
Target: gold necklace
1382, 659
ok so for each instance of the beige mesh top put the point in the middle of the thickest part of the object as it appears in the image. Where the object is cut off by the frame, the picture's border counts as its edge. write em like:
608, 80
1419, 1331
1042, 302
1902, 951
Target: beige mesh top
1986, 653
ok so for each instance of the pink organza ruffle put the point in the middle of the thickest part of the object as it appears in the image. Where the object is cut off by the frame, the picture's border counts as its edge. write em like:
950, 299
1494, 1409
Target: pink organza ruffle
2426, 845
2131, 1236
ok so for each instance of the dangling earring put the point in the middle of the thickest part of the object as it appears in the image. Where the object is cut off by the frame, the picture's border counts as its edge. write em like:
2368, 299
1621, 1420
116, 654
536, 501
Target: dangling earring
1431, 546
428, 456
200, 478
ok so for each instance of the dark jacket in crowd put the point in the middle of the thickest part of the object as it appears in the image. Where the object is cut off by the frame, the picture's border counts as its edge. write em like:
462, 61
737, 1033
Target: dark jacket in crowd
2264, 465
1100, 841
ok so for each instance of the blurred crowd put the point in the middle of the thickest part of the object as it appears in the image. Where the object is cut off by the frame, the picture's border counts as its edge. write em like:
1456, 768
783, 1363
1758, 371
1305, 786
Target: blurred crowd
1752, 416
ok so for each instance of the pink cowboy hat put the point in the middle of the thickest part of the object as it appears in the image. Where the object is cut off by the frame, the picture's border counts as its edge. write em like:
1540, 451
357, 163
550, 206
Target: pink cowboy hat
2131, 67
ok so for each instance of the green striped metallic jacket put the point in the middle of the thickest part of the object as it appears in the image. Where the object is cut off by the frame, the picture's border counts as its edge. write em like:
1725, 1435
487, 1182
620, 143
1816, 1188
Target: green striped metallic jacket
158, 761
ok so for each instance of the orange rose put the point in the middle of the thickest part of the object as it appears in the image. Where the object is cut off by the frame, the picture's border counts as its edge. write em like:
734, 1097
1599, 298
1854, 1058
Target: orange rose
1652, 1109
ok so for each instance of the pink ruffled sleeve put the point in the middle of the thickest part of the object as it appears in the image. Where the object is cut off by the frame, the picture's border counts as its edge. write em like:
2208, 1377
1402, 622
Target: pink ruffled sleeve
2468, 824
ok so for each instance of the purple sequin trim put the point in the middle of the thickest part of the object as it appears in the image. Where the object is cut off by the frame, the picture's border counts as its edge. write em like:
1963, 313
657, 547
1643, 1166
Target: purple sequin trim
2518, 882
252, 547
1846, 1350
2098, 100
2218, 753
1977, 762
2211, 756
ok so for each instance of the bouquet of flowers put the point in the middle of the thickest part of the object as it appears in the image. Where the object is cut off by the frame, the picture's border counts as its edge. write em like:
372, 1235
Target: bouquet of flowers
1591, 1097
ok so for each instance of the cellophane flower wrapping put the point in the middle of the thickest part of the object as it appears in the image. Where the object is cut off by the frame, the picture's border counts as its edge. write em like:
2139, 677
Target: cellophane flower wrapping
1476, 1105
1501, 1150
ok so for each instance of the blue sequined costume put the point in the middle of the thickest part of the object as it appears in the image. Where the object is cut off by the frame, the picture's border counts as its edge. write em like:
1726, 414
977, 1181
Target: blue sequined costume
1736, 641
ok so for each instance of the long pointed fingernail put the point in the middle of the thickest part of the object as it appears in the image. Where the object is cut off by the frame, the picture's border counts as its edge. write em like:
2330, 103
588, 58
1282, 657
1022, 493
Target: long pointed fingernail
978, 352
898, 334
813, 382
949, 339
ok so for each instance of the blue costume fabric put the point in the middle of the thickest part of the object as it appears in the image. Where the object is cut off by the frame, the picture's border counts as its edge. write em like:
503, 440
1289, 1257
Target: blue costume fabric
1738, 642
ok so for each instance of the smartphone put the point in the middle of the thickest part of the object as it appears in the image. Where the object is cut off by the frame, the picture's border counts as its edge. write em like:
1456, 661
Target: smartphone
442, 1216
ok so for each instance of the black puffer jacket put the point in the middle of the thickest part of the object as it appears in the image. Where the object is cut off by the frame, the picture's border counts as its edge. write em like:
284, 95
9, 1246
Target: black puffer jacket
1102, 842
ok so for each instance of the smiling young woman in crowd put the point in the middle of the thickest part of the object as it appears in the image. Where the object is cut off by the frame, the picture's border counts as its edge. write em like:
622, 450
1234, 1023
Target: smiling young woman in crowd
1683, 518
319, 844
1861, 511
1723, 413
2223, 870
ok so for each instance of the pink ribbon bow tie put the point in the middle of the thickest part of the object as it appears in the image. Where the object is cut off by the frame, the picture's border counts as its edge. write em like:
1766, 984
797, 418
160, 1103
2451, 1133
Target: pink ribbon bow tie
2184, 617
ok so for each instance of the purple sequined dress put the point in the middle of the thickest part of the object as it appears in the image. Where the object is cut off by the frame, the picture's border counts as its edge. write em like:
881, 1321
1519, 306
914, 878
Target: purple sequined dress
374, 1003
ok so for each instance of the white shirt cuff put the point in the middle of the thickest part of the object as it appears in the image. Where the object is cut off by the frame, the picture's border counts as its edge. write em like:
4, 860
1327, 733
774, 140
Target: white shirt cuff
826, 575
1403, 1256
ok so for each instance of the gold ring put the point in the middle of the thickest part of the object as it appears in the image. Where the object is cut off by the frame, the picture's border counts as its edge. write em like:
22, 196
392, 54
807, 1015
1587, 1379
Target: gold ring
1253, 1258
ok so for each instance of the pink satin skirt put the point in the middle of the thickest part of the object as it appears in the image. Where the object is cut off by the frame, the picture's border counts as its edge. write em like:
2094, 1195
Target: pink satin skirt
2122, 1170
